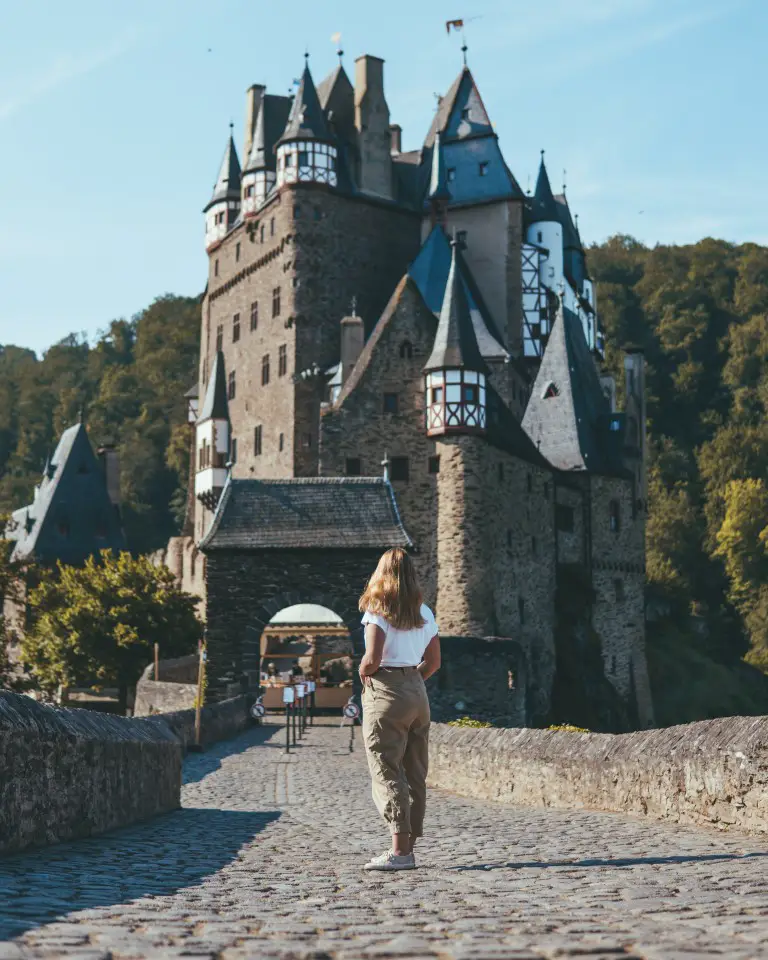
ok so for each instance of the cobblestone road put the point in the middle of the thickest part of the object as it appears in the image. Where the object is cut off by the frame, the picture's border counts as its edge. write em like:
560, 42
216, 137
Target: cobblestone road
264, 862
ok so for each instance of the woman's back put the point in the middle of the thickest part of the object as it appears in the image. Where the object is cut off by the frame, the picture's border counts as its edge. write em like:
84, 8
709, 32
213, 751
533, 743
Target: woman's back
404, 648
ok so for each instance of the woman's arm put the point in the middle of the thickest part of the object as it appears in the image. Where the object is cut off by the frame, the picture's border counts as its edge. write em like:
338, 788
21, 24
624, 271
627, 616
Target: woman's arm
431, 662
374, 649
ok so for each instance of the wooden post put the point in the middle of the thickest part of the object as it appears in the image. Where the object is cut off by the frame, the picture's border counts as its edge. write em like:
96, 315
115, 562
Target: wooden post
199, 704
157, 662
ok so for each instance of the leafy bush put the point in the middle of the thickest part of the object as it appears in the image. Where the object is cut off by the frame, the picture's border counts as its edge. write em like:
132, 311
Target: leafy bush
469, 722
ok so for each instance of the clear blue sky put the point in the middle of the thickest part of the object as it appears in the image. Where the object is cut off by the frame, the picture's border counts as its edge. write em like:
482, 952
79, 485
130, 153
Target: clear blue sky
114, 115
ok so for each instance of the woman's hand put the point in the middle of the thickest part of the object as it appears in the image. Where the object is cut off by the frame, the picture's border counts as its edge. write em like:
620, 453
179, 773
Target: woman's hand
364, 677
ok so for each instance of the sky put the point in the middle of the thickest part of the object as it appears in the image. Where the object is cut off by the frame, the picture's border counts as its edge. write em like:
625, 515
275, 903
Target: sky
114, 115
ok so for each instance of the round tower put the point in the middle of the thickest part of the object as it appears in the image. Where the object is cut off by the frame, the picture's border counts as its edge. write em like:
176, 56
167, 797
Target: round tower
545, 231
223, 209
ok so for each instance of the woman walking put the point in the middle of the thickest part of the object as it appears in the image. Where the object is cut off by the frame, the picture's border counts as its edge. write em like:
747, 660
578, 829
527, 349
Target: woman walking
402, 649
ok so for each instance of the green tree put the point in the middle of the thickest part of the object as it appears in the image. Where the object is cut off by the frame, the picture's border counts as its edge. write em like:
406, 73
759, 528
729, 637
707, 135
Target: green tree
98, 624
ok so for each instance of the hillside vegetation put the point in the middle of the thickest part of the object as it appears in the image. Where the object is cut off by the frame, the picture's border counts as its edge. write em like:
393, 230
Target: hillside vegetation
700, 313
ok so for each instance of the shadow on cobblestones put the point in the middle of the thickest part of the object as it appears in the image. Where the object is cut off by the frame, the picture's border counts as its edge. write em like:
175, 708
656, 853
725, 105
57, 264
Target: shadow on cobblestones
197, 766
155, 859
619, 862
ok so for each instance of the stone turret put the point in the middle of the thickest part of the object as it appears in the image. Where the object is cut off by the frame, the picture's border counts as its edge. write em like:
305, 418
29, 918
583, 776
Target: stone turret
223, 208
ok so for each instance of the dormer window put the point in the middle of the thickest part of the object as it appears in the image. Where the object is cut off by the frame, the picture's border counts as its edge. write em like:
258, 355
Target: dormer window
483, 168
550, 391
406, 350
451, 174
465, 113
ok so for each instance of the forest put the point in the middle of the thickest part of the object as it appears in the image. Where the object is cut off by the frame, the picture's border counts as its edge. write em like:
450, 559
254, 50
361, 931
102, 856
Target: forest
699, 312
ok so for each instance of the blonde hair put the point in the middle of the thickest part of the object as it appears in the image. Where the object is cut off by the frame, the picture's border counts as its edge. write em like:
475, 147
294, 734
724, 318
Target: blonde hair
394, 592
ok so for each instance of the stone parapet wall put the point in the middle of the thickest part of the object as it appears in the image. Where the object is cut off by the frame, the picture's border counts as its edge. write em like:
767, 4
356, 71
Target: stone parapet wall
66, 774
152, 697
219, 721
711, 773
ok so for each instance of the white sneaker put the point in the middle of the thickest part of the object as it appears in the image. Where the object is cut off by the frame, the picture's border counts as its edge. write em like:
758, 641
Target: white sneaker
390, 861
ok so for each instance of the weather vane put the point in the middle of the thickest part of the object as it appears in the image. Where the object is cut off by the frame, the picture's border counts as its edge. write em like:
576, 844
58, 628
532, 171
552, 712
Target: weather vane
460, 25
336, 38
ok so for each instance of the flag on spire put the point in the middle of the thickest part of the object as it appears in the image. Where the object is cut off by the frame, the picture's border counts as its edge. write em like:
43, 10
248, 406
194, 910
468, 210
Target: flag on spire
456, 24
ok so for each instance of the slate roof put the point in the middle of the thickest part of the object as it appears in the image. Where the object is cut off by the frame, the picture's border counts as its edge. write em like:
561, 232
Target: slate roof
455, 343
306, 120
462, 95
543, 206
430, 272
320, 512
72, 516
337, 98
505, 431
227, 186
571, 236
215, 405
270, 123
571, 428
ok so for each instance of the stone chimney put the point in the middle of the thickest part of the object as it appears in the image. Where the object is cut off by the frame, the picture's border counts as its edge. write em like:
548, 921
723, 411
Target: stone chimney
352, 341
111, 465
395, 138
253, 97
372, 123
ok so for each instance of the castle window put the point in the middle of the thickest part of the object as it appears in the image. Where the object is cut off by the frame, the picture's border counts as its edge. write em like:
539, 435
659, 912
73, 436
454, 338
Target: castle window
406, 350
265, 370
564, 518
282, 361
237, 253
390, 403
261, 233
306, 441
618, 590
233, 451
205, 370
529, 483
434, 464
451, 174
303, 158
219, 337
297, 210
510, 679
501, 472
249, 191
471, 392
465, 113
353, 467
550, 391
521, 610
257, 435
534, 547
231, 385
483, 168
272, 227
538, 236
398, 469
276, 302
615, 426
235, 328
461, 239
281, 443
436, 394
614, 516
254, 315
216, 267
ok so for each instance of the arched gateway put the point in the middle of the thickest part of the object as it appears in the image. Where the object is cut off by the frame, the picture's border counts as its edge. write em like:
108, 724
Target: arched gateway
277, 543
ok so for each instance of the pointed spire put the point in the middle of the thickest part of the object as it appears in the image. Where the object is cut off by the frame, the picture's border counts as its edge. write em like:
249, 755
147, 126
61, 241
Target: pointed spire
227, 185
544, 204
306, 120
455, 344
215, 405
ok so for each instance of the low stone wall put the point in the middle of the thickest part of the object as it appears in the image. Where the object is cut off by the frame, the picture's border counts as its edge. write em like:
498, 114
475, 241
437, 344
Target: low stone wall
152, 697
713, 773
74, 773
219, 721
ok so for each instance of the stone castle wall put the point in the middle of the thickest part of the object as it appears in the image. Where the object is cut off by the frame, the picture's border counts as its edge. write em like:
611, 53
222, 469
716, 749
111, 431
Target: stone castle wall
711, 773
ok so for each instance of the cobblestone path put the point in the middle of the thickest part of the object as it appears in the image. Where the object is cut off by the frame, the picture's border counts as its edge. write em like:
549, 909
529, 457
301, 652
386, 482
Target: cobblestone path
264, 862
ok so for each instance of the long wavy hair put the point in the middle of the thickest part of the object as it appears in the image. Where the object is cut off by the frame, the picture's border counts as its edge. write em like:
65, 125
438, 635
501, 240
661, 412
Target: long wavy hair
394, 592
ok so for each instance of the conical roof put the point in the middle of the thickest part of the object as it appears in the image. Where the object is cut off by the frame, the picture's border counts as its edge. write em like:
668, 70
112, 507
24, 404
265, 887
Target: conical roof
270, 123
228, 182
568, 416
455, 343
544, 206
306, 120
215, 405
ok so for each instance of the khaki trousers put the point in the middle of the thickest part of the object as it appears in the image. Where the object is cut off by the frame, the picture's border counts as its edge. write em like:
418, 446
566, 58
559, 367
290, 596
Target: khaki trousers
396, 735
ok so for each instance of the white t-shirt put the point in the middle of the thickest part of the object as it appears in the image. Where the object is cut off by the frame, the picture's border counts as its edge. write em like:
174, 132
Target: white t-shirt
404, 648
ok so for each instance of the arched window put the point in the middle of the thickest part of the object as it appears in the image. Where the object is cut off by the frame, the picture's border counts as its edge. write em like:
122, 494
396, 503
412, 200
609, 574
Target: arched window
406, 350
614, 517
550, 391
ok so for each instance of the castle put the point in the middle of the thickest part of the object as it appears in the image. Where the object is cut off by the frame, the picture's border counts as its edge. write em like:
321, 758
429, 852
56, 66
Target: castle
402, 347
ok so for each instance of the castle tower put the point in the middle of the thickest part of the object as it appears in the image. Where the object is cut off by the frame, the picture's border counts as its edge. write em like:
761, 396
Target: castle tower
545, 230
260, 171
212, 441
223, 208
455, 371
306, 152
374, 137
